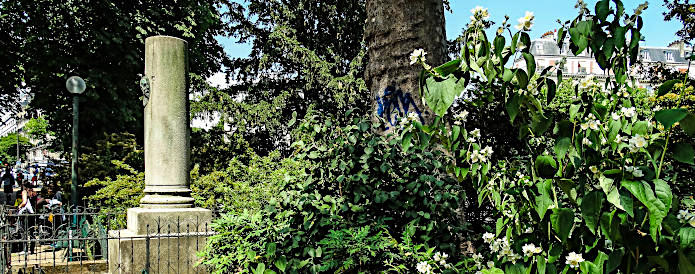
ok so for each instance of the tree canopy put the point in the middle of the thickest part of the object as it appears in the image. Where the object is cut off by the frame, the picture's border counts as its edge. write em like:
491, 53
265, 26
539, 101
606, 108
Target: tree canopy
304, 53
45, 42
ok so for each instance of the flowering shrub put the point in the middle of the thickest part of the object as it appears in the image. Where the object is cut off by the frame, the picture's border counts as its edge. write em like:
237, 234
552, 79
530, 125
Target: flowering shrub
595, 188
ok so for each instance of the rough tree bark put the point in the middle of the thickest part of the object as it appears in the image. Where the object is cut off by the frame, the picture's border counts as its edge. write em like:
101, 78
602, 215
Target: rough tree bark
394, 28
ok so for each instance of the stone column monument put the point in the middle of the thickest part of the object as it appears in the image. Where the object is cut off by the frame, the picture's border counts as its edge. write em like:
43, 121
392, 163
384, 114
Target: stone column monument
165, 230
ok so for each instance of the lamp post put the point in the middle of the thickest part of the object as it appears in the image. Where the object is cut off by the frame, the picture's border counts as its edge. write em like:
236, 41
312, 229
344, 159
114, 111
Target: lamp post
76, 86
20, 117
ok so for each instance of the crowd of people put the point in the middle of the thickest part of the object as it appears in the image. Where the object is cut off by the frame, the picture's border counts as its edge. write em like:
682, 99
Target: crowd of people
28, 195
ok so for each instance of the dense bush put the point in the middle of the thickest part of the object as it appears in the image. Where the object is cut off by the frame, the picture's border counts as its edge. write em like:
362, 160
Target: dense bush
590, 191
360, 189
245, 186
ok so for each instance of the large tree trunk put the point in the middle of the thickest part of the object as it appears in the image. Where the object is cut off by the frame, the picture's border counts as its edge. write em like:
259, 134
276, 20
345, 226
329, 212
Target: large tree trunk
394, 29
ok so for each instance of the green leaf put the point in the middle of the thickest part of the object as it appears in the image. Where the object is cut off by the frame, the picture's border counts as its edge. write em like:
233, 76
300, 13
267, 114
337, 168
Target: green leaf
567, 187
561, 147
260, 268
499, 44
493, 270
281, 263
552, 88
579, 40
688, 124
619, 36
663, 194
640, 127
584, 27
270, 249
562, 220
574, 109
513, 107
560, 39
685, 265
591, 209
530, 64
666, 87
508, 74
668, 117
589, 267
544, 200
546, 167
614, 259
406, 142
687, 237
440, 95
522, 78
684, 153
602, 9
658, 205
448, 68
541, 264
455, 131
540, 124
614, 129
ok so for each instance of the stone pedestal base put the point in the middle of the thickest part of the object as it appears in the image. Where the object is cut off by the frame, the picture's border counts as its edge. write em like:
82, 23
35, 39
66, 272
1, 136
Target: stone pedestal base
162, 240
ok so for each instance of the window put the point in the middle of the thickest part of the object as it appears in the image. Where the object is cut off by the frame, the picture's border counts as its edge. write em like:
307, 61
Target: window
645, 55
669, 56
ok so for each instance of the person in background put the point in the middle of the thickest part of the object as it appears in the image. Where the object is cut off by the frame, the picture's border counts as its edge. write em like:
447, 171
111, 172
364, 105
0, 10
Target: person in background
28, 205
7, 183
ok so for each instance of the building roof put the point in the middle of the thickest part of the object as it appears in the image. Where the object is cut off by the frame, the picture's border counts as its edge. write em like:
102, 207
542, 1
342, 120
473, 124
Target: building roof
659, 54
548, 47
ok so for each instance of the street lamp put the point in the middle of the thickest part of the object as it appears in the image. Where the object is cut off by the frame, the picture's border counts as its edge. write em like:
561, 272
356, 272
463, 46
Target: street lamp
76, 86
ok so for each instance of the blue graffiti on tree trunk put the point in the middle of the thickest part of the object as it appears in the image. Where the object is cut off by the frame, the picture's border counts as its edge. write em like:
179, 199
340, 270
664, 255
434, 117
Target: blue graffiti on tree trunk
395, 103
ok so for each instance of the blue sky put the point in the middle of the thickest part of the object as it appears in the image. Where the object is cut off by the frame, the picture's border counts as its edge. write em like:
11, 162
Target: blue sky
658, 32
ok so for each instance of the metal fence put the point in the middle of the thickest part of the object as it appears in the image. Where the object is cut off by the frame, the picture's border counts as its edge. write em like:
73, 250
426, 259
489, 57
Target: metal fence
82, 240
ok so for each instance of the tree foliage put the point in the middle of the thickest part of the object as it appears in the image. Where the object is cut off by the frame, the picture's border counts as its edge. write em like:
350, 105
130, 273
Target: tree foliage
45, 42
684, 11
304, 53
8, 147
37, 128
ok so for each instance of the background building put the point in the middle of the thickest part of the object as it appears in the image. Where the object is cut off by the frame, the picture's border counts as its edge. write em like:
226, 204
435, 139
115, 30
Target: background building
547, 53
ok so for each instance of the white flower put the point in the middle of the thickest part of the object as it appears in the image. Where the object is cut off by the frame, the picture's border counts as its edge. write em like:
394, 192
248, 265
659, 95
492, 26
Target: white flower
603, 140
628, 112
594, 124
574, 259
490, 264
487, 151
525, 22
513, 257
593, 169
615, 116
586, 141
682, 214
584, 126
637, 173
530, 249
475, 133
488, 237
424, 267
528, 230
637, 142
460, 117
619, 139
479, 12
412, 117
586, 83
418, 55
477, 157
